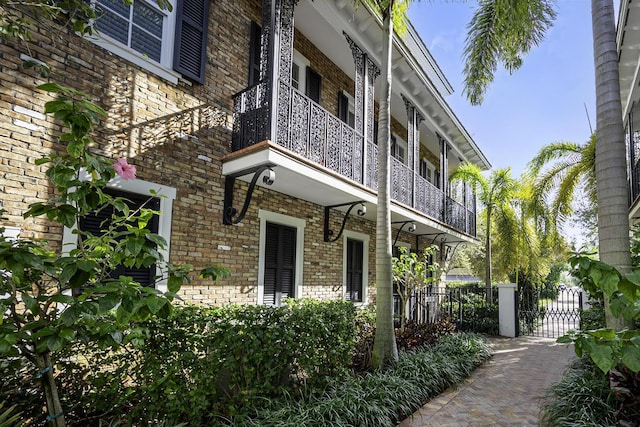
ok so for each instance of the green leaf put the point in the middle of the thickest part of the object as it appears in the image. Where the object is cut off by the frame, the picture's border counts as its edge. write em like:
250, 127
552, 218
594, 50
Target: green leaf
609, 282
628, 288
107, 302
54, 343
602, 356
134, 245
31, 303
51, 87
607, 334
155, 303
67, 273
631, 357
67, 334
79, 278
174, 283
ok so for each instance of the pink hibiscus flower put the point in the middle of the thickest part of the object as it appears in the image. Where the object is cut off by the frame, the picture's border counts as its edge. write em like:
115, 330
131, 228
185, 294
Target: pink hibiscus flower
124, 169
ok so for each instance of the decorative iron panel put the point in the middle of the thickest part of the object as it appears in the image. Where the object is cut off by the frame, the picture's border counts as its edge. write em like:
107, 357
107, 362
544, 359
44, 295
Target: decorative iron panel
334, 136
455, 214
281, 136
317, 134
372, 166
429, 199
299, 125
346, 157
401, 182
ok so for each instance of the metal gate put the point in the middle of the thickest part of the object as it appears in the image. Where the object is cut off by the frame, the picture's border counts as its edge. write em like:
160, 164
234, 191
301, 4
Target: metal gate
549, 316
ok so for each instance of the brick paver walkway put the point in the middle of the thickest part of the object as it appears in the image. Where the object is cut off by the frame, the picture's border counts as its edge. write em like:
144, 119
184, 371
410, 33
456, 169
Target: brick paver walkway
506, 391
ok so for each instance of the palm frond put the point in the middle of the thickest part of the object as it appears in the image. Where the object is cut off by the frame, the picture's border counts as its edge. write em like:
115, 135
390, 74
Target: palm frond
502, 31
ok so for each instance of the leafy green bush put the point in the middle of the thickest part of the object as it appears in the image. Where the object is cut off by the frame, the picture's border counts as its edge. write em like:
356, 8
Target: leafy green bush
593, 318
201, 363
382, 398
581, 398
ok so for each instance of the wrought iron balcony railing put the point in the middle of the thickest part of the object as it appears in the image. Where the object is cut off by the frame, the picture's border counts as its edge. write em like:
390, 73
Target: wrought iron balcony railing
310, 131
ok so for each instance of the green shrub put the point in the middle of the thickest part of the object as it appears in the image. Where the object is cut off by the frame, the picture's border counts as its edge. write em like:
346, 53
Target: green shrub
203, 363
593, 318
581, 398
382, 398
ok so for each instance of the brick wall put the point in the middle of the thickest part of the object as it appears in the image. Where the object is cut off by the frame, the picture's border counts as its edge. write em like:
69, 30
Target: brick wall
192, 165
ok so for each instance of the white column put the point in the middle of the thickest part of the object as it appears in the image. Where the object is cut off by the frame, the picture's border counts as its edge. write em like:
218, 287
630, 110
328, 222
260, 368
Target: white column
507, 309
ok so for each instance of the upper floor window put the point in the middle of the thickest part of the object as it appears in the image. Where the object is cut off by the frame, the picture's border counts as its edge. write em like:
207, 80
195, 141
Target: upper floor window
167, 43
427, 170
304, 78
399, 148
346, 108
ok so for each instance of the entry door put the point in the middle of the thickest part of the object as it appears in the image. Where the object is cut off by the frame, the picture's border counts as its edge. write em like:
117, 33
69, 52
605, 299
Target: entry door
280, 263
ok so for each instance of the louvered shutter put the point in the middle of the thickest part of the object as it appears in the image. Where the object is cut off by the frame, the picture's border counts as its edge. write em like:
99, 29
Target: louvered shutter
96, 222
355, 250
190, 52
254, 53
280, 261
313, 82
343, 107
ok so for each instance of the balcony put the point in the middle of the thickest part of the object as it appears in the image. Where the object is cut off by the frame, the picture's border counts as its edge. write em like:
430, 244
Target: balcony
310, 132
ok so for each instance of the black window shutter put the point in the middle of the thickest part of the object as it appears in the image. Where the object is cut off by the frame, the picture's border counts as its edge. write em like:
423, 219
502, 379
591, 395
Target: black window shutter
280, 261
254, 53
343, 107
314, 83
95, 222
190, 52
355, 253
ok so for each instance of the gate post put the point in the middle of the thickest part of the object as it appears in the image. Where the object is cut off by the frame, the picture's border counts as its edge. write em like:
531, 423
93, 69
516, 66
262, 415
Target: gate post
506, 308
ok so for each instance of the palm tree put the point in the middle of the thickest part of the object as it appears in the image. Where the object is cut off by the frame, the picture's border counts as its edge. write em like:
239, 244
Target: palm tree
393, 13
502, 32
495, 194
558, 170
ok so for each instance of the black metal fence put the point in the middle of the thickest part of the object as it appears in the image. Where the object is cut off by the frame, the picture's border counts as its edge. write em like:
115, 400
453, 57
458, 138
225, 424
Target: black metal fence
468, 308
548, 315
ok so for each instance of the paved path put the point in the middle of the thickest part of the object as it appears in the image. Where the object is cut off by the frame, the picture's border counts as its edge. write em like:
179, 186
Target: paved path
506, 391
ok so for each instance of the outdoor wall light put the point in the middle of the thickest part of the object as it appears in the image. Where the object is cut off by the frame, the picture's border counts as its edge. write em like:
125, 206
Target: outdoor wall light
362, 211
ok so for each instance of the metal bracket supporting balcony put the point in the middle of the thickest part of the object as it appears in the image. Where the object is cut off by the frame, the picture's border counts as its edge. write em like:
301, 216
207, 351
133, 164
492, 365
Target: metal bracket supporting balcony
450, 251
327, 231
436, 235
411, 229
229, 212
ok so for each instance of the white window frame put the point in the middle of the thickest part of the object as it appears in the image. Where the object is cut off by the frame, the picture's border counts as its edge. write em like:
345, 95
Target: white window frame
400, 143
138, 186
351, 109
299, 224
431, 170
302, 64
164, 68
364, 238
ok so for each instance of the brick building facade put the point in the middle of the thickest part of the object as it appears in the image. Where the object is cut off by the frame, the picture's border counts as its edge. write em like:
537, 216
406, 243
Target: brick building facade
179, 133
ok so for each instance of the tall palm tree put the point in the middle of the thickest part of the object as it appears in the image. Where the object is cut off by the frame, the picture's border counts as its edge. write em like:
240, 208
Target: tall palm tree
559, 170
394, 16
495, 195
502, 32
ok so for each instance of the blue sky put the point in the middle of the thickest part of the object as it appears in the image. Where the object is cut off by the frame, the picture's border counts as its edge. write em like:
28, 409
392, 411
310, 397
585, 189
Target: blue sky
542, 102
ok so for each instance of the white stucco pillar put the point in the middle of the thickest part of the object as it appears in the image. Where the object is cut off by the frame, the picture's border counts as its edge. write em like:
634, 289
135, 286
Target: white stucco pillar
507, 309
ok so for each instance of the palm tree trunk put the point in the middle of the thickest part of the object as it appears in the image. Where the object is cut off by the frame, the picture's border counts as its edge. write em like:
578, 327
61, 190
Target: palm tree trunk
487, 261
611, 166
384, 346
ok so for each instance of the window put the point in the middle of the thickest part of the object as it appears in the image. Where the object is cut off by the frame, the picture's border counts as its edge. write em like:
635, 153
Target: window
304, 78
356, 266
254, 53
139, 190
427, 170
398, 148
95, 222
280, 257
160, 41
346, 108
